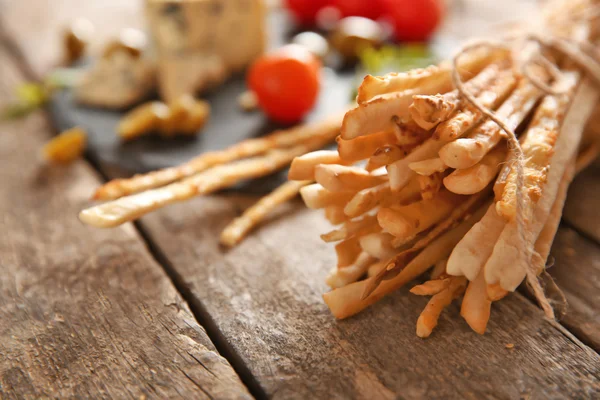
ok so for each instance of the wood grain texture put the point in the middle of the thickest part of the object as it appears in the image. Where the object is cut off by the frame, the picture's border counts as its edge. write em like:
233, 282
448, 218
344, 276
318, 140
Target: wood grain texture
265, 297
576, 270
86, 313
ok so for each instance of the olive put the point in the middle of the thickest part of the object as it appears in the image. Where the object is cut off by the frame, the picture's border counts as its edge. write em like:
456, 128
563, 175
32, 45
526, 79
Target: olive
354, 34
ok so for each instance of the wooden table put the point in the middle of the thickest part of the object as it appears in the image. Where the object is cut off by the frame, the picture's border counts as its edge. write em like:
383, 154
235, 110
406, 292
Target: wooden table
159, 310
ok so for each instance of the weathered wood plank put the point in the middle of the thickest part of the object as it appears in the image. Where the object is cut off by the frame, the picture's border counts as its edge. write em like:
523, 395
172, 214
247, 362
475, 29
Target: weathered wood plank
576, 270
86, 313
265, 296
582, 209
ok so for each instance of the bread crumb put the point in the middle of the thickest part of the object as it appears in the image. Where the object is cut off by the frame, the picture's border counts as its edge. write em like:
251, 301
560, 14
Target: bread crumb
510, 346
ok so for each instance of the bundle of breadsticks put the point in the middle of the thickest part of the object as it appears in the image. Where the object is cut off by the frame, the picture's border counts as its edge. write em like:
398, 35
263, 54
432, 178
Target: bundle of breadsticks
461, 168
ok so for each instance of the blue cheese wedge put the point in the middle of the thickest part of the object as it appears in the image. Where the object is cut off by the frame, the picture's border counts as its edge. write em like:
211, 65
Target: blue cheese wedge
119, 80
199, 43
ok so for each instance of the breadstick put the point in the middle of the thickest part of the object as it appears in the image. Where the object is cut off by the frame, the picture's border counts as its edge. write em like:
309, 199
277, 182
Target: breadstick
431, 287
471, 253
430, 185
467, 116
347, 301
400, 173
347, 251
429, 317
316, 196
339, 178
477, 177
335, 214
538, 147
428, 167
476, 306
406, 222
378, 245
340, 277
357, 227
466, 152
397, 82
321, 132
363, 147
128, 208
429, 111
508, 263
239, 227
368, 199
303, 167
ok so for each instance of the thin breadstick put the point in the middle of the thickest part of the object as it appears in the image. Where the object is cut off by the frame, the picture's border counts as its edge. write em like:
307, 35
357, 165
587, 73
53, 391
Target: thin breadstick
400, 173
471, 253
467, 116
543, 244
476, 306
429, 111
335, 214
322, 132
340, 277
466, 152
363, 147
477, 177
316, 196
340, 178
430, 185
397, 82
388, 154
429, 317
357, 227
508, 263
128, 208
239, 227
406, 222
368, 199
538, 147
378, 245
495, 292
428, 167
438, 269
347, 251
347, 301
408, 133
303, 167
431, 287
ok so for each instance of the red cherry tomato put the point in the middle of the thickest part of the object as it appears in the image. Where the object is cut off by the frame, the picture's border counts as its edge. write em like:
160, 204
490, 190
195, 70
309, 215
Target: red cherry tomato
286, 82
305, 10
414, 20
371, 9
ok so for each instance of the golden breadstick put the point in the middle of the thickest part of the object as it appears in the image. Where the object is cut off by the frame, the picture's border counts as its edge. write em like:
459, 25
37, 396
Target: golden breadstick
429, 317
239, 227
335, 214
400, 173
368, 199
509, 262
321, 133
316, 196
406, 222
303, 167
467, 116
363, 147
378, 245
128, 208
347, 301
357, 227
347, 251
428, 167
538, 148
431, 287
471, 253
477, 177
340, 277
429, 111
430, 185
476, 306
466, 152
340, 178
471, 63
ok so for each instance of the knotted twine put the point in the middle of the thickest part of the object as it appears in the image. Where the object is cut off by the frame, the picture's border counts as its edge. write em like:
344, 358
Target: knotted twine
586, 62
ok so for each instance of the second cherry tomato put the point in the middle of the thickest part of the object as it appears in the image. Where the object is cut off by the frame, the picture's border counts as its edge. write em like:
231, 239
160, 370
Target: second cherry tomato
305, 10
414, 20
286, 83
371, 9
